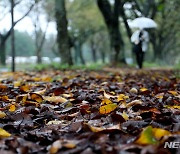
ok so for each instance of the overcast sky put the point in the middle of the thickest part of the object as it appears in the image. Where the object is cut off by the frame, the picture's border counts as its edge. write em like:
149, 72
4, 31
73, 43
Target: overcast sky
25, 24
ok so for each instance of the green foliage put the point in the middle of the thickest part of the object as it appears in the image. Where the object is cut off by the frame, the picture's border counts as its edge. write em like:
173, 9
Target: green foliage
57, 66
24, 44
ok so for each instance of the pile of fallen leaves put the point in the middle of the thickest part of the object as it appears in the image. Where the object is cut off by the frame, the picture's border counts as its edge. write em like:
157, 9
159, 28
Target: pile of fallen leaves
89, 112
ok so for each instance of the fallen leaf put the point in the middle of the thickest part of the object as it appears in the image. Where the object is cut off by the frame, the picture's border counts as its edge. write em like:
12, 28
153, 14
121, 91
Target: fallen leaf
147, 137
107, 106
2, 114
125, 116
174, 93
55, 99
36, 97
135, 102
158, 133
122, 97
3, 87
12, 108
99, 129
172, 107
25, 88
143, 89
4, 133
54, 122
57, 145
108, 96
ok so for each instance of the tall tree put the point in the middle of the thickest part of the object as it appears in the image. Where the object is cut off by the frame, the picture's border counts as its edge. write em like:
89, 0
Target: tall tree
12, 36
62, 37
111, 17
39, 32
5, 36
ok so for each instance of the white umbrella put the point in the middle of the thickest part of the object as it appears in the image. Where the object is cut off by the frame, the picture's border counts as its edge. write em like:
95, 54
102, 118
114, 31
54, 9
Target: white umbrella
142, 22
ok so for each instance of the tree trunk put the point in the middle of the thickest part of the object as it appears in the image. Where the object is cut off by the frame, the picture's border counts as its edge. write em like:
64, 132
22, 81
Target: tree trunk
38, 53
111, 17
62, 36
12, 37
2, 53
103, 56
93, 50
78, 53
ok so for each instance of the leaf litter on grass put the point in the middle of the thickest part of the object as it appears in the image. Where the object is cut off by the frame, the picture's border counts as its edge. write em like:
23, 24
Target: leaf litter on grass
89, 112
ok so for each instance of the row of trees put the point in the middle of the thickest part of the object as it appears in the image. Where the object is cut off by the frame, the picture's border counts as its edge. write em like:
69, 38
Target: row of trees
99, 27
164, 40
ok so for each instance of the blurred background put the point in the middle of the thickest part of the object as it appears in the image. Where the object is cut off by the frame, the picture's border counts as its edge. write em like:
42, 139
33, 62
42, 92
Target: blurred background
41, 33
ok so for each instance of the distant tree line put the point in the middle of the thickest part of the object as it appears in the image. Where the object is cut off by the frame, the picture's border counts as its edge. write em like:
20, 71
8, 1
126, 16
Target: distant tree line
93, 30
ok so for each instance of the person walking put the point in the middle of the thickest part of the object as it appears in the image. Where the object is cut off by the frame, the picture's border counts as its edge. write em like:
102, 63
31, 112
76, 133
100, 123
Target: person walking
140, 38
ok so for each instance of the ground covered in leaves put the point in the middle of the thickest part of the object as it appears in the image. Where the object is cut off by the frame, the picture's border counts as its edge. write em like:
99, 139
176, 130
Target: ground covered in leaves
89, 112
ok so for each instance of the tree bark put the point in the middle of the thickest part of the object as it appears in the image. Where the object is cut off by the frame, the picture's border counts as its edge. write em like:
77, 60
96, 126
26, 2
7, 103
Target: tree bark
12, 37
2, 53
62, 36
93, 50
111, 17
78, 52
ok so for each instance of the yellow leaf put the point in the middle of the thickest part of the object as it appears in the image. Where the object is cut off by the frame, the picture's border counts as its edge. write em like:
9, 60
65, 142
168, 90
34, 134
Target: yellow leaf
55, 147
172, 107
12, 108
67, 95
93, 128
122, 97
3, 87
107, 106
147, 137
159, 96
174, 93
143, 89
125, 116
69, 145
108, 96
2, 114
158, 133
17, 83
4, 133
55, 99
4, 98
46, 79
36, 97
25, 88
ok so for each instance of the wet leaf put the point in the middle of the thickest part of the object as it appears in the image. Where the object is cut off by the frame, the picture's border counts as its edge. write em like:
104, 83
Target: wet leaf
125, 116
3, 87
147, 137
174, 93
4, 133
25, 88
107, 106
2, 114
172, 107
36, 97
159, 133
12, 108
55, 99
143, 89
57, 145
122, 97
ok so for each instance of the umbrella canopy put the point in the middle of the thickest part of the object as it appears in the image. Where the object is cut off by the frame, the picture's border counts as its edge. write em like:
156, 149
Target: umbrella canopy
142, 22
